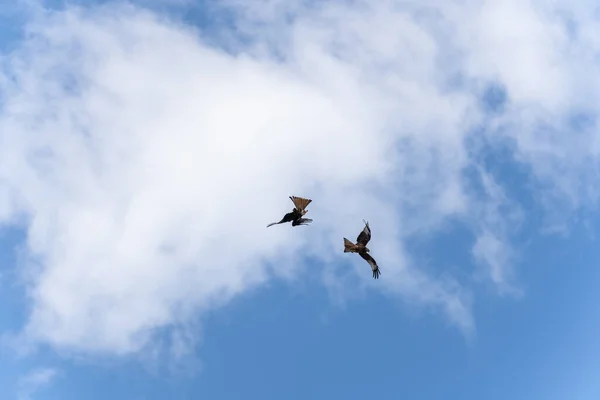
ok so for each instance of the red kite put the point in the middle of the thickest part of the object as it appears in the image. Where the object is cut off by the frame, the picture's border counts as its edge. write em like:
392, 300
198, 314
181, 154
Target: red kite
297, 213
361, 248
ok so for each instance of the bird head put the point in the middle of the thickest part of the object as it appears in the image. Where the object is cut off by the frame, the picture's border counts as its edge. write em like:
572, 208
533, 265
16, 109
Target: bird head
367, 249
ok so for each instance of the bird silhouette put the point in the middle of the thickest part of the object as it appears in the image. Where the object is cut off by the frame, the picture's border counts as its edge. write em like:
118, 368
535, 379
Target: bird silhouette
297, 214
361, 248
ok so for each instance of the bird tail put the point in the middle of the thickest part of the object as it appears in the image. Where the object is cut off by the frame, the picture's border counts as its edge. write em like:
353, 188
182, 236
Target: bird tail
349, 246
273, 223
300, 203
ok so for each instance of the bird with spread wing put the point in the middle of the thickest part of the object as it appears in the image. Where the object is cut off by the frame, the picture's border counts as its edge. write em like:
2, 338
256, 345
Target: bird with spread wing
361, 248
297, 214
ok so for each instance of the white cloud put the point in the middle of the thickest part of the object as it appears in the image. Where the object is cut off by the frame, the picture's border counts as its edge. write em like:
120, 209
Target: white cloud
35, 380
497, 220
145, 163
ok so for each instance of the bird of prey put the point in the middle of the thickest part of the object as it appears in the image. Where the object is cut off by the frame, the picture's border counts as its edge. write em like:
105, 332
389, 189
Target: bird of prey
361, 248
297, 214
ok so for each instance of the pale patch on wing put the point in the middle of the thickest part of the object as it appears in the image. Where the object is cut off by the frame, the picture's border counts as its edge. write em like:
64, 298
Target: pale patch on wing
372, 263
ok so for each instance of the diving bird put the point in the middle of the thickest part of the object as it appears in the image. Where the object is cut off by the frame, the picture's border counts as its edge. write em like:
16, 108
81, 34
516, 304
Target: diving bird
361, 248
297, 213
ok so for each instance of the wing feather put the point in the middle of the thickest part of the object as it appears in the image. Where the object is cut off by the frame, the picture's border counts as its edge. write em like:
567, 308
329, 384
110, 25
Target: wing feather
364, 237
300, 203
367, 257
301, 221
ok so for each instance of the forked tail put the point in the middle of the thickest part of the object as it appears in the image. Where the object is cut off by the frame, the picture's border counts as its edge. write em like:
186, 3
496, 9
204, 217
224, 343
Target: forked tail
348, 246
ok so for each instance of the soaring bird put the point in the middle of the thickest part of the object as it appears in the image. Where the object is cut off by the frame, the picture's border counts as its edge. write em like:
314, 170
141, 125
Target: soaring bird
361, 248
297, 213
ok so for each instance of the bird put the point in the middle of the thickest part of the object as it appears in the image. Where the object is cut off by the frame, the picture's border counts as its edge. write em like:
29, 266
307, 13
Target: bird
361, 248
297, 214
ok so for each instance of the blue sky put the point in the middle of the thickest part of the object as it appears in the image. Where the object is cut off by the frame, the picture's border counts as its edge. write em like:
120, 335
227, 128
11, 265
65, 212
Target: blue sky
291, 342
133, 200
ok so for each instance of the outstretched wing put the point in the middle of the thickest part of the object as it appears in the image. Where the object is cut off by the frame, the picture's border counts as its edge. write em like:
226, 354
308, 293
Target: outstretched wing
364, 237
372, 263
301, 221
300, 203
291, 216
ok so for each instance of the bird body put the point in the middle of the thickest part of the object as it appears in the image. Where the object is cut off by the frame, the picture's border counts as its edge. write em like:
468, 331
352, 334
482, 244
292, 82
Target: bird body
297, 214
350, 247
296, 217
361, 248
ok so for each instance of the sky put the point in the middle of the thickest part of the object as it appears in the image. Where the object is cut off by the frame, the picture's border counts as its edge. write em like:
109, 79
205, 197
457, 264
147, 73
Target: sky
145, 146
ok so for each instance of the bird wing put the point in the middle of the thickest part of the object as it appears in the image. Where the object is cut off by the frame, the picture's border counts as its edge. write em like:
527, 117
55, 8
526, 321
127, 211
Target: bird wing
364, 237
372, 263
291, 216
301, 221
300, 203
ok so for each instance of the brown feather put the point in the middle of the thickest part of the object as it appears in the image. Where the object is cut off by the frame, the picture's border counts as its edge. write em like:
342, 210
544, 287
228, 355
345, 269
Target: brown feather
300, 203
349, 247
372, 263
364, 237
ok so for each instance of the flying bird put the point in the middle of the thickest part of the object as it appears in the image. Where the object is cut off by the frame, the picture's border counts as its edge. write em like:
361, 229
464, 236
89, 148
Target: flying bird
297, 214
361, 248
